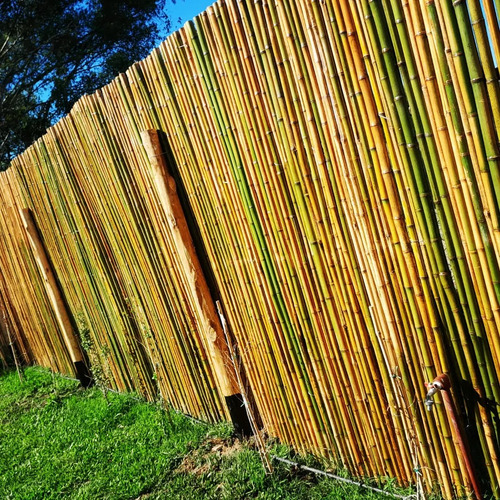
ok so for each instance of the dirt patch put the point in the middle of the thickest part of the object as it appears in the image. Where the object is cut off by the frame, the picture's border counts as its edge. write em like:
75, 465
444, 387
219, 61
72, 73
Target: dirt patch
191, 466
200, 461
229, 449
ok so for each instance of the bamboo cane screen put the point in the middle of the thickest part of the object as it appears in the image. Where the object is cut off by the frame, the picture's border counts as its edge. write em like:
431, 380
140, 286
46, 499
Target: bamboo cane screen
341, 163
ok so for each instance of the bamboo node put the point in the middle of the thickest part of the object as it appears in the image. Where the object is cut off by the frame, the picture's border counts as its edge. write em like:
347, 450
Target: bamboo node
481, 20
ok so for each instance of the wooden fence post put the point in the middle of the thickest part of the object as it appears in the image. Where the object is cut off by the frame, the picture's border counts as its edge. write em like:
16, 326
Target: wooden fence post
55, 296
206, 314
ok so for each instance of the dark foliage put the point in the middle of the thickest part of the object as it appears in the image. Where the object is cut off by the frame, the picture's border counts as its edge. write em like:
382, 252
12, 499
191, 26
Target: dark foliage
54, 51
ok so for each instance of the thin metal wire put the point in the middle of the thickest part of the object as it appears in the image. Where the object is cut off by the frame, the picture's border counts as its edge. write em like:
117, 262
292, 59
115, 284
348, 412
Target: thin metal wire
342, 479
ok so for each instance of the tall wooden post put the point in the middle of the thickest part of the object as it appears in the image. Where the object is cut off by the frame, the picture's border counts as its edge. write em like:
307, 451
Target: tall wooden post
55, 297
203, 303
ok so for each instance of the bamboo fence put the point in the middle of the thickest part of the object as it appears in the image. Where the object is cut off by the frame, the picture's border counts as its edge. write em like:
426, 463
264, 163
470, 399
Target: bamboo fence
338, 162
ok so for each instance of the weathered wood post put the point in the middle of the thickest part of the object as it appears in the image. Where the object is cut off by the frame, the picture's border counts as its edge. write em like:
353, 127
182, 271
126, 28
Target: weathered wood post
203, 302
56, 298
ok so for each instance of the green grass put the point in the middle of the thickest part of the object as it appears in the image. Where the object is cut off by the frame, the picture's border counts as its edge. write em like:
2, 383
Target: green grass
59, 441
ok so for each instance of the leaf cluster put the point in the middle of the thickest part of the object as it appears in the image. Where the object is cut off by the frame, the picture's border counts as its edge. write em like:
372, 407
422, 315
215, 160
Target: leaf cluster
54, 51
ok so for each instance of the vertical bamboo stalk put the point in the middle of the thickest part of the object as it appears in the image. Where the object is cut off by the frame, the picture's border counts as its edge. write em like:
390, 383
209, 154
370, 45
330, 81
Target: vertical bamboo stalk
55, 297
5, 326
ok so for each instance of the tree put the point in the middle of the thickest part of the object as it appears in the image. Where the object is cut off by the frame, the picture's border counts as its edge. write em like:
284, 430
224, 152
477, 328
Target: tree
54, 51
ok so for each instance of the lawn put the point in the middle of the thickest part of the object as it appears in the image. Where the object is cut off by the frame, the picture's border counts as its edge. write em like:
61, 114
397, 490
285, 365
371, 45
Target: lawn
60, 441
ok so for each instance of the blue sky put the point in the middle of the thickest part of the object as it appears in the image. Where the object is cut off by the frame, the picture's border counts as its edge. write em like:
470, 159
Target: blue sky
185, 10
